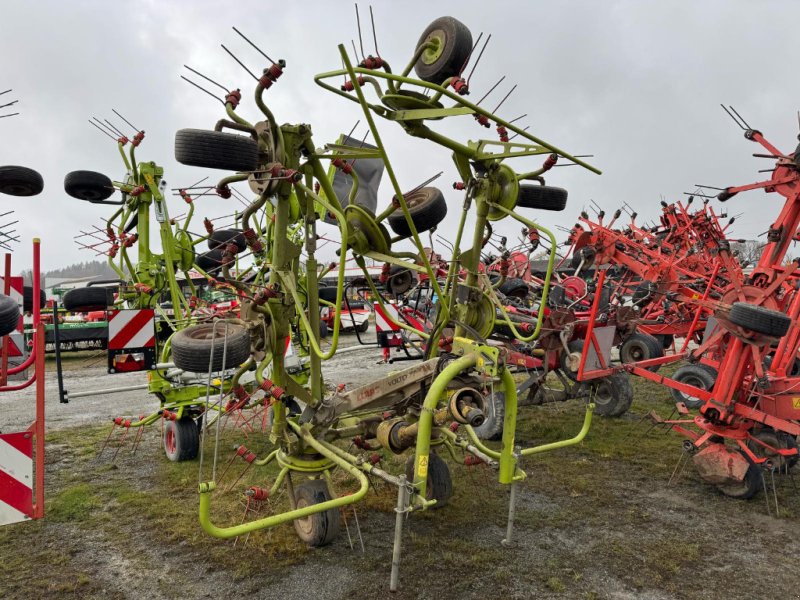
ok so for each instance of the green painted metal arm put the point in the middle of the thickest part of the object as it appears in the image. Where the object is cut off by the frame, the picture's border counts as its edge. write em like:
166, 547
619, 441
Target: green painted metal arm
460, 100
389, 170
432, 398
205, 490
548, 275
234, 117
379, 299
121, 148
587, 423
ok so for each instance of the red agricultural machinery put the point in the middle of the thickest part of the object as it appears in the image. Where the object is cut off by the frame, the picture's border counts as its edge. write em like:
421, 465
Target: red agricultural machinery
748, 405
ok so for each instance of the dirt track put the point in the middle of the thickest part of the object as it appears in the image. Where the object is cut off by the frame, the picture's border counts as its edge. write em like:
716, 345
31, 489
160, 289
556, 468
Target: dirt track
600, 520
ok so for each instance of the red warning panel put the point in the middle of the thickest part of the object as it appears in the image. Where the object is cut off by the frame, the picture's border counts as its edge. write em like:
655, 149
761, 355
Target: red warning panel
16, 477
131, 329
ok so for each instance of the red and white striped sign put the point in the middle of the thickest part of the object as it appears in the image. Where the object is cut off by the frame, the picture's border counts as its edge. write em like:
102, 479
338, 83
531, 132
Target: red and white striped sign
131, 328
382, 316
16, 477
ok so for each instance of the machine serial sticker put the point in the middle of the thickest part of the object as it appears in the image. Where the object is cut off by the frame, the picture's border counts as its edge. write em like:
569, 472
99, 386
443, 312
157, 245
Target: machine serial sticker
796, 402
422, 468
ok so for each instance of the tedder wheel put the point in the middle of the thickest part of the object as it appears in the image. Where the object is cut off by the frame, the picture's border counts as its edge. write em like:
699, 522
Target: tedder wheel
452, 46
221, 237
748, 487
759, 319
401, 279
327, 293
699, 376
318, 529
27, 298
514, 288
778, 440
323, 330
191, 347
585, 255
211, 261
88, 298
181, 439
570, 362
427, 208
363, 327
492, 427
440, 485
9, 314
641, 346
20, 181
666, 340
88, 185
543, 197
216, 150
612, 395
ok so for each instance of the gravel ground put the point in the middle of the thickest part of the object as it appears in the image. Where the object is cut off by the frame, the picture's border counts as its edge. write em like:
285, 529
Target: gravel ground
87, 371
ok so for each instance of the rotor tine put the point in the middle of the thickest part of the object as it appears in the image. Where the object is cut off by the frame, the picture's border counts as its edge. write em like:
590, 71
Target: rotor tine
259, 50
374, 34
360, 40
126, 120
114, 128
240, 63
735, 120
494, 87
102, 130
740, 117
199, 74
477, 60
199, 87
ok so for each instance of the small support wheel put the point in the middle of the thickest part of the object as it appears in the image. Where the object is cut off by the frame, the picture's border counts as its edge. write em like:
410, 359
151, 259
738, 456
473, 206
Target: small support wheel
321, 528
699, 376
612, 395
181, 439
440, 485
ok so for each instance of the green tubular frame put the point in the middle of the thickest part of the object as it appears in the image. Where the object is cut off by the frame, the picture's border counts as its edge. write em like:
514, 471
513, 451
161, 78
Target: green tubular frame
298, 292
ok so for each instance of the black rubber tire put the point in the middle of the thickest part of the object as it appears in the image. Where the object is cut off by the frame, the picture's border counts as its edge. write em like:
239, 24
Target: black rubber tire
575, 346
181, 439
27, 298
328, 293
585, 255
88, 298
751, 484
20, 181
492, 427
401, 279
778, 440
612, 395
191, 347
318, 529
454, 54
9, 315
323, 330
220, 237
759, 319
88, 185
514, 288
427, 208
542, 197
210, 262
363, 327
440, 485
666, 340
641, 346
699, 376
216, 150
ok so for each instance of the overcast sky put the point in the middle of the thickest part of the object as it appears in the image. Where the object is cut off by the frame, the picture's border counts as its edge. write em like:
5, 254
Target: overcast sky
638, 84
